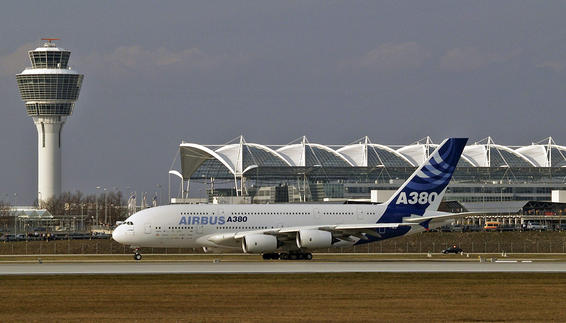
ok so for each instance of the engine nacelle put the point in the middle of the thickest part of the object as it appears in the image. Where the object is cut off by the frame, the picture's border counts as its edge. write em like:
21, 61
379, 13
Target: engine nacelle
258, 243
314, 239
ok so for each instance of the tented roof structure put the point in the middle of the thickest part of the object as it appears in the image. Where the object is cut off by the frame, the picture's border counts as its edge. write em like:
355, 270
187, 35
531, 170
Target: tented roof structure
233, 159
239, 157
545, 155
307, 154
489, 154
418, 152
367, 154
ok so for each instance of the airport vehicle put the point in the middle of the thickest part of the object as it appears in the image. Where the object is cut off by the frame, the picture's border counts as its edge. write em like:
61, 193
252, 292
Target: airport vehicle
454, 249
536, 226
491, 225
292, 231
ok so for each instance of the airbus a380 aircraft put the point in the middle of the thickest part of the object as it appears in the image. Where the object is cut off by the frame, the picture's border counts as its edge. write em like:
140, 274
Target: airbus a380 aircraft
292, 231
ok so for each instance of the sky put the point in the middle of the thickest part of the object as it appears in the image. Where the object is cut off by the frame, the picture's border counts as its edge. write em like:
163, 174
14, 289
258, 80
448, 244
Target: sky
161, 72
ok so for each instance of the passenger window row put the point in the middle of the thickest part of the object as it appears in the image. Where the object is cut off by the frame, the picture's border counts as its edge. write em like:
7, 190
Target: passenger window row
270, 213
245, 228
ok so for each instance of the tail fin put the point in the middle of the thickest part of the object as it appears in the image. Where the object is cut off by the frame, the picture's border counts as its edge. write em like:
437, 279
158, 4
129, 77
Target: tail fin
426, 187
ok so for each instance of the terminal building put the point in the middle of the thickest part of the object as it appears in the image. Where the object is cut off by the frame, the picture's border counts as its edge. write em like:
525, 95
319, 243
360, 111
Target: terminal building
490, 178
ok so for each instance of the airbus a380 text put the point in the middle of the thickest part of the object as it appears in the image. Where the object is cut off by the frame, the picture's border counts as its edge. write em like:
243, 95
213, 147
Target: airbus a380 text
293, 231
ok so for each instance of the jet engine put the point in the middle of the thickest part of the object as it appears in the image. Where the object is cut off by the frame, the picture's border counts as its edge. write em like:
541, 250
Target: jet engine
314, 239
258, 243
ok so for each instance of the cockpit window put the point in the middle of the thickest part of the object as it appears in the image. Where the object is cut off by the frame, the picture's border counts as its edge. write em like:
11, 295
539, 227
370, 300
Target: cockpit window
129, 223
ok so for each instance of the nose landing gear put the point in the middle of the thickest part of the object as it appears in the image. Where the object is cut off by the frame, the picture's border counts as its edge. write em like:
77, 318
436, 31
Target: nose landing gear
137, 254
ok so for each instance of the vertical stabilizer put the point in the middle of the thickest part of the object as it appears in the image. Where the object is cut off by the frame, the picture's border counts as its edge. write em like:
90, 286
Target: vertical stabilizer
426, 186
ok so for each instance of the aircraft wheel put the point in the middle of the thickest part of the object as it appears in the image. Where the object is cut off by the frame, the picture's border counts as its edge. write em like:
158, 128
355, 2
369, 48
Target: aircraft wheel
137, 256
266, 256
292, 256
284, 256
308, 256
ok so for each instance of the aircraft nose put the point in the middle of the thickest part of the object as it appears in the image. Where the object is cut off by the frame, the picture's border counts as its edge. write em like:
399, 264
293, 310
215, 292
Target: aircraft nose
118, 234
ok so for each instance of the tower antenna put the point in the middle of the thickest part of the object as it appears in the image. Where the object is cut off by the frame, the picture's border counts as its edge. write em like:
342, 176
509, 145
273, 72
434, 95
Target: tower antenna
50, 39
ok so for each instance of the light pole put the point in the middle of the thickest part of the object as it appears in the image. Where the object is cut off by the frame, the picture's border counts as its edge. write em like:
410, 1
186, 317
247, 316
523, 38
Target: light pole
82, 218
105, 208
160, 193
15, 218
104, 189
98, 187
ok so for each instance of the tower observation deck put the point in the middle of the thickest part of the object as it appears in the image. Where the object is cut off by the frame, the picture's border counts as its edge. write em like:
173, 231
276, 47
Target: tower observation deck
50, 89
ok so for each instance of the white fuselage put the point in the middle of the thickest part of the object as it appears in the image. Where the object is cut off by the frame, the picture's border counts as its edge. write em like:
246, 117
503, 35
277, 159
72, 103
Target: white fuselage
192, 225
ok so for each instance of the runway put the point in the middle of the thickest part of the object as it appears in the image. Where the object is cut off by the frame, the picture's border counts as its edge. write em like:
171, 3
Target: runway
276, 267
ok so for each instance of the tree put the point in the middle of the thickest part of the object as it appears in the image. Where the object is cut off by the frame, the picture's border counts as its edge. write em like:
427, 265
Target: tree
86, 207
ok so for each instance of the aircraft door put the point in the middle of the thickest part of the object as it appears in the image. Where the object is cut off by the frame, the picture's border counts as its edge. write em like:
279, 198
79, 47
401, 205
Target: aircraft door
147, 228
360, 214
316, 213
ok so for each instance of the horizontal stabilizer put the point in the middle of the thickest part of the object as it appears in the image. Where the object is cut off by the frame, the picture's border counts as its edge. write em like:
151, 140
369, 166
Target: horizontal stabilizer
442, 217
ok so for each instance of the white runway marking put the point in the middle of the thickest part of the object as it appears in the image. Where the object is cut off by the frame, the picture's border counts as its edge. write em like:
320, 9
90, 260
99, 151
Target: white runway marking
229, 267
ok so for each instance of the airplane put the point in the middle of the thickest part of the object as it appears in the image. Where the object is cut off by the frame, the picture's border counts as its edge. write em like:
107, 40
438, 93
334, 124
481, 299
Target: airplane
293, 231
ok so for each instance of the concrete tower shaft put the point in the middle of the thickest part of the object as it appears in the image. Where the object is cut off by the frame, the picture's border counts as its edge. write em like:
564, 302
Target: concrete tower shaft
49, 155
50, 89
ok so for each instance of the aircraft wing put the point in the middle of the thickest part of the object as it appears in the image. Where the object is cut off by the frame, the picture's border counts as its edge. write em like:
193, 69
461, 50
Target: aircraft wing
289, 233
438, 218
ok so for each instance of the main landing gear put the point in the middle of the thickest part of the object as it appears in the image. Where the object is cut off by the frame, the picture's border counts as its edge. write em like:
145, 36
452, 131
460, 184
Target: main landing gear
137, 254
293, 255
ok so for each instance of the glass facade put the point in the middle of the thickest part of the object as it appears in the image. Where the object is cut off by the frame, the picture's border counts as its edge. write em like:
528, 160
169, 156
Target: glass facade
49, 86
212, 168
35, 109
379, 156
464, 163
49, 59
502, 157
316, 156
253, 155
558, 157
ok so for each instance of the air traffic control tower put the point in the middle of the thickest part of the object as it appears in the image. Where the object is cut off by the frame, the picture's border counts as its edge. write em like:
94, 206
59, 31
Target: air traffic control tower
49, 88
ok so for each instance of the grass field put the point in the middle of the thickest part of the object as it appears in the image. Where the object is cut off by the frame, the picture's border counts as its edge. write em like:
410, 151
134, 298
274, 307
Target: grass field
286, 297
